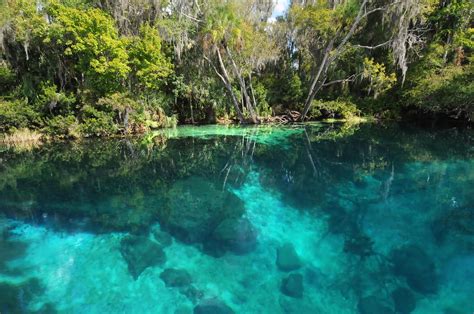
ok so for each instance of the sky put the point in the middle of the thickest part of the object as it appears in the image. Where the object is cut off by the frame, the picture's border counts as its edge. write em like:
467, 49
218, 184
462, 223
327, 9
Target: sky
280, 7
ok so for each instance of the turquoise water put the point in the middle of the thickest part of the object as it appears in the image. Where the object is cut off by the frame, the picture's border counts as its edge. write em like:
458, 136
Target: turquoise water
317, 218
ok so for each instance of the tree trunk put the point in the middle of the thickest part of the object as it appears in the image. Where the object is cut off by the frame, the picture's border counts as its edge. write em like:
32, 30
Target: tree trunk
318, 80
191, 105
225, 79
321, 76
251, 92
246, 97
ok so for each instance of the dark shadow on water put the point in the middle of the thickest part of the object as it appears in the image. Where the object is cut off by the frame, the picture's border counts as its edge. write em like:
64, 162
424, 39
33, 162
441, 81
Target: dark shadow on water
10, 249
15, 298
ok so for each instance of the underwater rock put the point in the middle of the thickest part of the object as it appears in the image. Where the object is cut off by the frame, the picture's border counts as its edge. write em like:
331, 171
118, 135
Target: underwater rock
313, 276
292, 286
162, 237
417, 267
212, 306
141, 253
14, 298
287, 258
236, 235
10, 250
404, 300
359, 244
192, 293
455, 221
173, 277
196, 207
373, 305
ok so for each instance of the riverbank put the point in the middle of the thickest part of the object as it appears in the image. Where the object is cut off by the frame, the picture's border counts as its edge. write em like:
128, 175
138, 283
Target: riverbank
32, 138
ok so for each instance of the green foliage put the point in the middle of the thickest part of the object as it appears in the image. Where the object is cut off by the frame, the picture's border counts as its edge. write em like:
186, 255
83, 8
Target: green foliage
82, 68
379, 81
16, 114
150, 66
90, 40
62, 126
223, 24
449, 91
318, 19
260, 93
284, 89
7, 79
452, 19
96, 123
339, 109
50, 100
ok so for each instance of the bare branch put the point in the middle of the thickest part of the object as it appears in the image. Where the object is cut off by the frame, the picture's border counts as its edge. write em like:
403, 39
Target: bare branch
215, 69
373, 47
379, 9
190, 17
348, 79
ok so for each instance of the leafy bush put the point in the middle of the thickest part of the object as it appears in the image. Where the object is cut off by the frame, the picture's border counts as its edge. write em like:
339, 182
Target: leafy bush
7, 79
260, 93
50, 100
131, 116
379, 80
338, 109
16, 114
96, 123
62, 126
449, 91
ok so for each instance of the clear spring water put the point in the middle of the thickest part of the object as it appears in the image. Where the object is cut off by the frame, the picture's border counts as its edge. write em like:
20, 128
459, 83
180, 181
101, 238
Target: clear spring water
364, 219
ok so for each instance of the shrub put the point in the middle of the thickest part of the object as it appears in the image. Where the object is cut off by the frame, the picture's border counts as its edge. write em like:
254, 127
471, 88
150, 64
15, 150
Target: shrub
50, 100
7, 79
62, 126
97, 123
16, 114
337, 109
449, 91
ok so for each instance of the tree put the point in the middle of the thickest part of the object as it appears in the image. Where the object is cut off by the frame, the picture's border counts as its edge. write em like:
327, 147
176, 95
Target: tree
91, 45
149, 66
327, 30
232, 41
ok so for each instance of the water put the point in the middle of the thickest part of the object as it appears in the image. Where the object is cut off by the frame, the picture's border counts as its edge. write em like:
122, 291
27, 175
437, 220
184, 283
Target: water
365, 219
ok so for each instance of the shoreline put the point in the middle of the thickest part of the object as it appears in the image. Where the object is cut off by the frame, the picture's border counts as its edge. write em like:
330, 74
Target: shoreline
29, 136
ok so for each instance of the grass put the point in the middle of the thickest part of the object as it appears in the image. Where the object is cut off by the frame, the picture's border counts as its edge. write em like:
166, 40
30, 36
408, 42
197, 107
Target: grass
22, 139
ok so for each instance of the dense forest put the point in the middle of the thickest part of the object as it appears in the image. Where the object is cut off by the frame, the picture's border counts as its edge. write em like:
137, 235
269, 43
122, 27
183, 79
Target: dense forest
74, 68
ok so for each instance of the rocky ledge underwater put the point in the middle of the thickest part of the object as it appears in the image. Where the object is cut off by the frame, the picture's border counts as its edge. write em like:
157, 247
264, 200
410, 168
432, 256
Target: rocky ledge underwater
275, 226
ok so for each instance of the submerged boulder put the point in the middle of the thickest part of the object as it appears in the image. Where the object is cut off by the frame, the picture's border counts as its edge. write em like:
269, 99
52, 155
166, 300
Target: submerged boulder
196, 207
173, 277
373, 305
287, 258
15, 298
192, 293
212, 306
141, 253
10, 250
458, 222
419, 270
162, 237
404, 300
292, 286
236, 235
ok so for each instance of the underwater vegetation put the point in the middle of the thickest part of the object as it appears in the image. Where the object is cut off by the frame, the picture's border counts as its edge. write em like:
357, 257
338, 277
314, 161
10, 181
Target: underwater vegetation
378, 220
